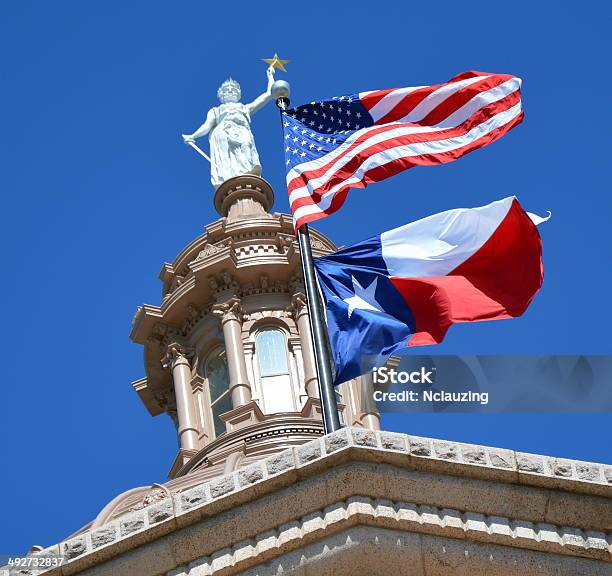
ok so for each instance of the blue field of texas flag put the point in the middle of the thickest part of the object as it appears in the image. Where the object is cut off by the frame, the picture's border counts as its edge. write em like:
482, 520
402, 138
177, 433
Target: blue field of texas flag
407, 286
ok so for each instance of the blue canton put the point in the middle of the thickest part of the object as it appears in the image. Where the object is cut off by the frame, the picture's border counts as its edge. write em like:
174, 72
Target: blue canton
367, 318
313, 130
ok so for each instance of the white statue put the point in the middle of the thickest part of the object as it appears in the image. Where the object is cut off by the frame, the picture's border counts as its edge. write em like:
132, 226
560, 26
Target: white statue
232, 146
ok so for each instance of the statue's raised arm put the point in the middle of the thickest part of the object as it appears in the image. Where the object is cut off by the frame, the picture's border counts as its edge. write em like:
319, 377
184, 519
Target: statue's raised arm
264, 98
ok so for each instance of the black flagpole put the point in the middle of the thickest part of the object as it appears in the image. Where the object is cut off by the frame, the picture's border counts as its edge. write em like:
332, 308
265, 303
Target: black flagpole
318, 330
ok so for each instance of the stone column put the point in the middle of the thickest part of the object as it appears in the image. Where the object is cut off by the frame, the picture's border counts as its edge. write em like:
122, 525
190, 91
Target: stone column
370, 417
188, 432
300, 310
230, 313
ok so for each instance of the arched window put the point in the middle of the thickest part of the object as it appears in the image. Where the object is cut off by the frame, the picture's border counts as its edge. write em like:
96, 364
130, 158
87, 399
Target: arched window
277, 391
272, 352
216, 375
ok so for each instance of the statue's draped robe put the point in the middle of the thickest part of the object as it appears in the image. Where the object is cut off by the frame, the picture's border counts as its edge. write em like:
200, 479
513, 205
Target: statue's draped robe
232, 146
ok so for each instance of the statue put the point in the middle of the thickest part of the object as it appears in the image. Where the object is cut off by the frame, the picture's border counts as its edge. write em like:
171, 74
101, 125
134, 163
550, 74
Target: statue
232, 146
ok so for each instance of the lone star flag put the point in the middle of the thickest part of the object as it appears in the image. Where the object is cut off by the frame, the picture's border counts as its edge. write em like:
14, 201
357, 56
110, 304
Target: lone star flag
352, 141
406, 287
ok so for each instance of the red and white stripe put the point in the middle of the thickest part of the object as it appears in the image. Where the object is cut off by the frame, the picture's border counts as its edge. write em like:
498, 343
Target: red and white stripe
419, 126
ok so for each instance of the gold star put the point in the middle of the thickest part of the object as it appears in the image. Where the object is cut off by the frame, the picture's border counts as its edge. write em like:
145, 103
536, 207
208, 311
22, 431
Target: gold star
276, 62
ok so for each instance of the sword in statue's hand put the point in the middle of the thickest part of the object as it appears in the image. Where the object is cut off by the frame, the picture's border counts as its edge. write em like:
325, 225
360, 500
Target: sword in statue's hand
191, 143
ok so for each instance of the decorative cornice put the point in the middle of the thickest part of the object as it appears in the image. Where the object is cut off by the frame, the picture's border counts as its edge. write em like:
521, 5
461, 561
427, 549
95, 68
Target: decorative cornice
210, 249
287, 431
222, 237
377, 479
401, 517
265, 287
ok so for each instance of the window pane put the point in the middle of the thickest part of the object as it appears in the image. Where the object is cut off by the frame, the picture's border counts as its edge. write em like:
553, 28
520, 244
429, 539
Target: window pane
272, 353
217, 376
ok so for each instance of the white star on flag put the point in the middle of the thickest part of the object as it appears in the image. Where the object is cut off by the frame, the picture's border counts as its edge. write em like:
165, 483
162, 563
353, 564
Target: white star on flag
364, 298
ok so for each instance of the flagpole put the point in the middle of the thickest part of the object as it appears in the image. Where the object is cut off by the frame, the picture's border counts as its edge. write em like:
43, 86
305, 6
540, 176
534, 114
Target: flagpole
318, 330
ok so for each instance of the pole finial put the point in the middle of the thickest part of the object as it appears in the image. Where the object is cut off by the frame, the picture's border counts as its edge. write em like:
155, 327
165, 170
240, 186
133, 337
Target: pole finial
280, 92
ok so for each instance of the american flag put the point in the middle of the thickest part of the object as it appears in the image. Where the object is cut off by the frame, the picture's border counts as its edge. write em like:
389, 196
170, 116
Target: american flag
348, 142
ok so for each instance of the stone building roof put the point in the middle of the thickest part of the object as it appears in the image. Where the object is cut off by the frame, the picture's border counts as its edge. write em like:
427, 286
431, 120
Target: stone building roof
359, 501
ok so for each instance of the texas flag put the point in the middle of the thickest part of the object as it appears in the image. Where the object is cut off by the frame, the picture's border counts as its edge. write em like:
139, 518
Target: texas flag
407, 286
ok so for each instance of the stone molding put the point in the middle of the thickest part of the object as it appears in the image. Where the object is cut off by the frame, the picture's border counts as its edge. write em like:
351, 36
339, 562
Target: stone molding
386, 514
379, 479
401, 517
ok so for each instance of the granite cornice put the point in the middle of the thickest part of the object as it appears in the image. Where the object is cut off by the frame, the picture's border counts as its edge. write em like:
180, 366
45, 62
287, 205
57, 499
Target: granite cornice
378, 479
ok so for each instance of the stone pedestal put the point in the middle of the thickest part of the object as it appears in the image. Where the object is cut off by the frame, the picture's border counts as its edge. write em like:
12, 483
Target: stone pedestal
246, 196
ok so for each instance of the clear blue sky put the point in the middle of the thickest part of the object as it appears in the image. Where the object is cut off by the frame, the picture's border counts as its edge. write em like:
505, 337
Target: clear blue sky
98, 191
